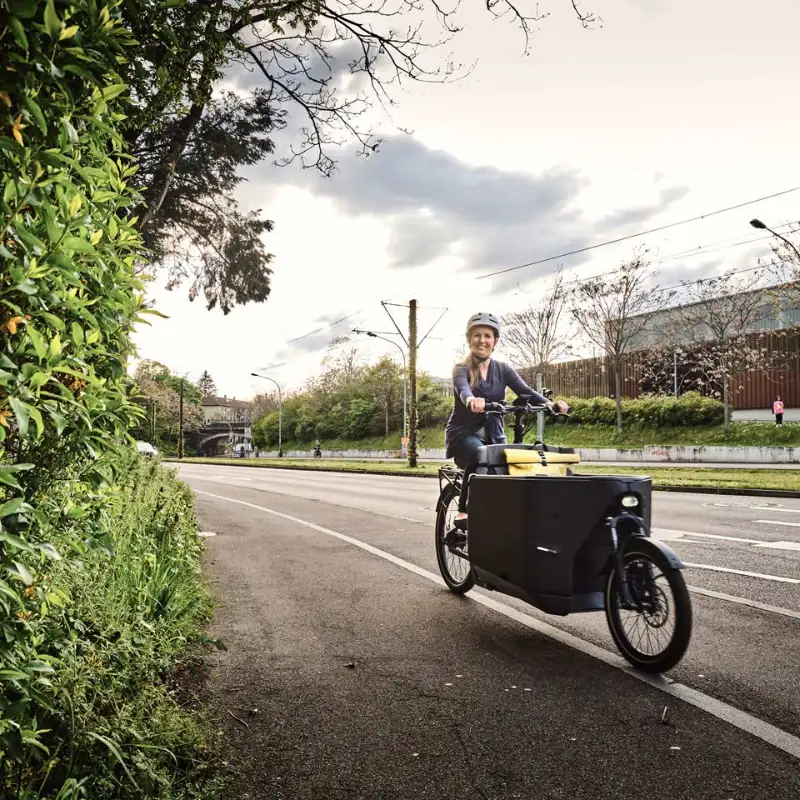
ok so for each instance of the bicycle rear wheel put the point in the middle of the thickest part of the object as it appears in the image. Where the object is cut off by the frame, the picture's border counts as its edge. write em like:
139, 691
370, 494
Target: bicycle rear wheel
652, 633
451, 545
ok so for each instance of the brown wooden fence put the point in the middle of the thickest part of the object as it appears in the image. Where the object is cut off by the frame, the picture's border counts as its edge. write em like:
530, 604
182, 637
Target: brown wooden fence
593, 377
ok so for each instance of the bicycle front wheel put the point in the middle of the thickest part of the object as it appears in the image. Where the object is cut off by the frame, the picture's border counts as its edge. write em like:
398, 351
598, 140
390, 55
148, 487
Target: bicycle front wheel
653, 631
451, 545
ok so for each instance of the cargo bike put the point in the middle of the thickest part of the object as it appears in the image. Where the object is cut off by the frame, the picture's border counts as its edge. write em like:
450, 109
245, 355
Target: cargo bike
565, 543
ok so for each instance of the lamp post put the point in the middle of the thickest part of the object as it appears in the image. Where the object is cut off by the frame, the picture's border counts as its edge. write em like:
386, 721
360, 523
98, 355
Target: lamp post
280, 411
403, 355
758, 224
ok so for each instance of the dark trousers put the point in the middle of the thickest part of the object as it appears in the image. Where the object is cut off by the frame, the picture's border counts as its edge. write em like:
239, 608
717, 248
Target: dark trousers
779, 419
466, 457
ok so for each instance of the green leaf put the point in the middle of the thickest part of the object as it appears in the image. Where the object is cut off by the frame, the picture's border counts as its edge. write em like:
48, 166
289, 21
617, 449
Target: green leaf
69, 129
15, 541
55, 345
52, 23
19, 33
76, 243
23, 8
35, 112
59, 419
11, 507
53, 320
7, 479
39, 344
68, 33
13, 675
49, 549
77, 334
109, 92
23, 573
39, 379
21, 413
36, 415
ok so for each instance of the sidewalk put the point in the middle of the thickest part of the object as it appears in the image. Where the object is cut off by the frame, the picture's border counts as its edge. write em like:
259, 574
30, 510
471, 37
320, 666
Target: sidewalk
764, 415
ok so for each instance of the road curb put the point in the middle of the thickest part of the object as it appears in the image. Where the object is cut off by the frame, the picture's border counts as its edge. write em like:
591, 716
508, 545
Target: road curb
720, 490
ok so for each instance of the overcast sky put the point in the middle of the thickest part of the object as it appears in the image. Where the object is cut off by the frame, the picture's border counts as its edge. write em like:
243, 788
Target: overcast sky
668, 111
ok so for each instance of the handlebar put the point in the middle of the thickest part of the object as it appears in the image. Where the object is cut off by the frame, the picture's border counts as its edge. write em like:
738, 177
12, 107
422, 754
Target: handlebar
501, 409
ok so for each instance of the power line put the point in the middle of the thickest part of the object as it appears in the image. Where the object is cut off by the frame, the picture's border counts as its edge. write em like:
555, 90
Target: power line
636, 235
324, 327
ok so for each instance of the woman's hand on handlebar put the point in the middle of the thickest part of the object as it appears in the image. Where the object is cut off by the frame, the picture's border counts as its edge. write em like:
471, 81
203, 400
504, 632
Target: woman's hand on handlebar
476, 405
559, 407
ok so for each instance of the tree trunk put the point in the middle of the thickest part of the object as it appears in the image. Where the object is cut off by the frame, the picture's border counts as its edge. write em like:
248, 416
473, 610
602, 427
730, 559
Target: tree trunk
386, 419
618, 393
726, 404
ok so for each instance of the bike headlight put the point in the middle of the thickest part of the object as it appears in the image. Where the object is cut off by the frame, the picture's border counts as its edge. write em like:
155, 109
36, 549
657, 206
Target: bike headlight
630, 501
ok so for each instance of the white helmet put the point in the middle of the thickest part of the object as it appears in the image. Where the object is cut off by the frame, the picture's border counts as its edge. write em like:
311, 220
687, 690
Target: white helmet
484, 318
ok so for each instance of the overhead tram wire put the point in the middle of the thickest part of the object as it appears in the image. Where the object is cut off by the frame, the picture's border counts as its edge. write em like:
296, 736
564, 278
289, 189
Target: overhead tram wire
637, 235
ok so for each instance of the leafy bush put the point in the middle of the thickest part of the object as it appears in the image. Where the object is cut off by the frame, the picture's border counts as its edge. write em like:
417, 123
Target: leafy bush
80, 631
690, 408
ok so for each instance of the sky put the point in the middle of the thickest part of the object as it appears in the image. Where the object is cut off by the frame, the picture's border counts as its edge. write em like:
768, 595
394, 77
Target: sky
668, 110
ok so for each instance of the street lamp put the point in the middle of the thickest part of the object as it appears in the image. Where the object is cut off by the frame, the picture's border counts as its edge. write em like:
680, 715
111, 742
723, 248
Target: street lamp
280, 411
403, 355
757, 223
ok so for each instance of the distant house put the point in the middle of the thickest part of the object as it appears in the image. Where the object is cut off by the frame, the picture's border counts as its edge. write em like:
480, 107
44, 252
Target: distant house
225, 409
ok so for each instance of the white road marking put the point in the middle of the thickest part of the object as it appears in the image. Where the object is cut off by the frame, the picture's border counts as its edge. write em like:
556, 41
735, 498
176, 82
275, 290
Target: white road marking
744, 601
669, 534
744, 572
735, 716
781, 545
777, 522
775, 509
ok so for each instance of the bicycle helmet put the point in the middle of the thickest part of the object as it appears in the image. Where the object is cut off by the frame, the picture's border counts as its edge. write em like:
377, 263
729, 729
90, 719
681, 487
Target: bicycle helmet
484, 318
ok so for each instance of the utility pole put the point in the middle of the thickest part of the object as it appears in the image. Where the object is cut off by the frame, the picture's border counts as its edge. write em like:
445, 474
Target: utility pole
413, 346
180, 424
412, 370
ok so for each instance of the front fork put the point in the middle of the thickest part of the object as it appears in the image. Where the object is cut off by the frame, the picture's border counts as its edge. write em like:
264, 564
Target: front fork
618, 554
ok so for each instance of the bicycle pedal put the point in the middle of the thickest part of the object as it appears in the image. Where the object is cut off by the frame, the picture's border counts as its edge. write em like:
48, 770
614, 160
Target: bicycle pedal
461, 524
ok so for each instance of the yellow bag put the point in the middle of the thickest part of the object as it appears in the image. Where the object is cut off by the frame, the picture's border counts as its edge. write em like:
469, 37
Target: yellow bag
536, 462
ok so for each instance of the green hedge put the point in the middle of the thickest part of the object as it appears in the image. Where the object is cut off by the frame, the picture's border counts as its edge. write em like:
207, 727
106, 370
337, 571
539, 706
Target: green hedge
687, 409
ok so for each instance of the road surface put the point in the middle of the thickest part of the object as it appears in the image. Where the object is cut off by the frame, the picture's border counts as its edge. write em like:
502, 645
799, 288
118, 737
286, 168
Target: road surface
352, 673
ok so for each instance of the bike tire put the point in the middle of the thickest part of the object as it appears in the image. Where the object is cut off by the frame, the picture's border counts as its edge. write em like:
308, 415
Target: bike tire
674, 651
456, 584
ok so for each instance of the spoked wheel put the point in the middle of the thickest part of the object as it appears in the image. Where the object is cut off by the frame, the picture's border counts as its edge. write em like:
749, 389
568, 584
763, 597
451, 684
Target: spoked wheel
451, 545
654, 631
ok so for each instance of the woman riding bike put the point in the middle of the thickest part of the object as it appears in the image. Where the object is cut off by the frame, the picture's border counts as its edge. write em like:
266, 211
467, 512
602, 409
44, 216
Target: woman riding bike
476, 381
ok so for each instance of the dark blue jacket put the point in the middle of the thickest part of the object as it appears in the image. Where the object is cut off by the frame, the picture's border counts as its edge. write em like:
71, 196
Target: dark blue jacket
463, 422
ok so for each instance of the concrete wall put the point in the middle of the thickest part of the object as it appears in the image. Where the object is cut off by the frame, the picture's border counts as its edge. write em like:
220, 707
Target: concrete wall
650, 454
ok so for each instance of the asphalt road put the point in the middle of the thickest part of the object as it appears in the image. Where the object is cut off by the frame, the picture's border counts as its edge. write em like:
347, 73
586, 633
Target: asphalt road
369, 679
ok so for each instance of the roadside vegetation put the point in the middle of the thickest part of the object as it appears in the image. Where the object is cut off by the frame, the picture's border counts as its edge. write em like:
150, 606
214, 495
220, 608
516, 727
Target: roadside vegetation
355, 406
100, 586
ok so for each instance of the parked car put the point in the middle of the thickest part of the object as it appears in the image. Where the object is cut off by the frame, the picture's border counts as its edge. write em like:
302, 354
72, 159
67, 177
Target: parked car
146, 449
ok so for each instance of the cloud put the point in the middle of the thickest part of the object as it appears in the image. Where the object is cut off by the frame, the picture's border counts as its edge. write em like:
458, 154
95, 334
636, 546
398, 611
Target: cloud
436, 204
637, 215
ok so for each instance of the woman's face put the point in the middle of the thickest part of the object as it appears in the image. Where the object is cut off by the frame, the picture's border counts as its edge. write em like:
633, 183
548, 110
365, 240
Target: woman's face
482, 341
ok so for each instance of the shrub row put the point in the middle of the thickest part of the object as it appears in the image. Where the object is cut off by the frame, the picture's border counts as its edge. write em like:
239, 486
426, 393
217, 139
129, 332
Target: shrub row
687, 409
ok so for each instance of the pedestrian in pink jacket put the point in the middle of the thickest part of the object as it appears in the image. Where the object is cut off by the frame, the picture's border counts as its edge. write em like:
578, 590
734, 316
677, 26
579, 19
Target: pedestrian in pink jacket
777, 410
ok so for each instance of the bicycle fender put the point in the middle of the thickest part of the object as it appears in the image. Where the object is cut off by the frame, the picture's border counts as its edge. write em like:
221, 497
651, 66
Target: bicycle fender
654, 546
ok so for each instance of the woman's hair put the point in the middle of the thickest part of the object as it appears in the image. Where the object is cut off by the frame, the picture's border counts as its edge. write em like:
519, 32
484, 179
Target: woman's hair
471, 363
